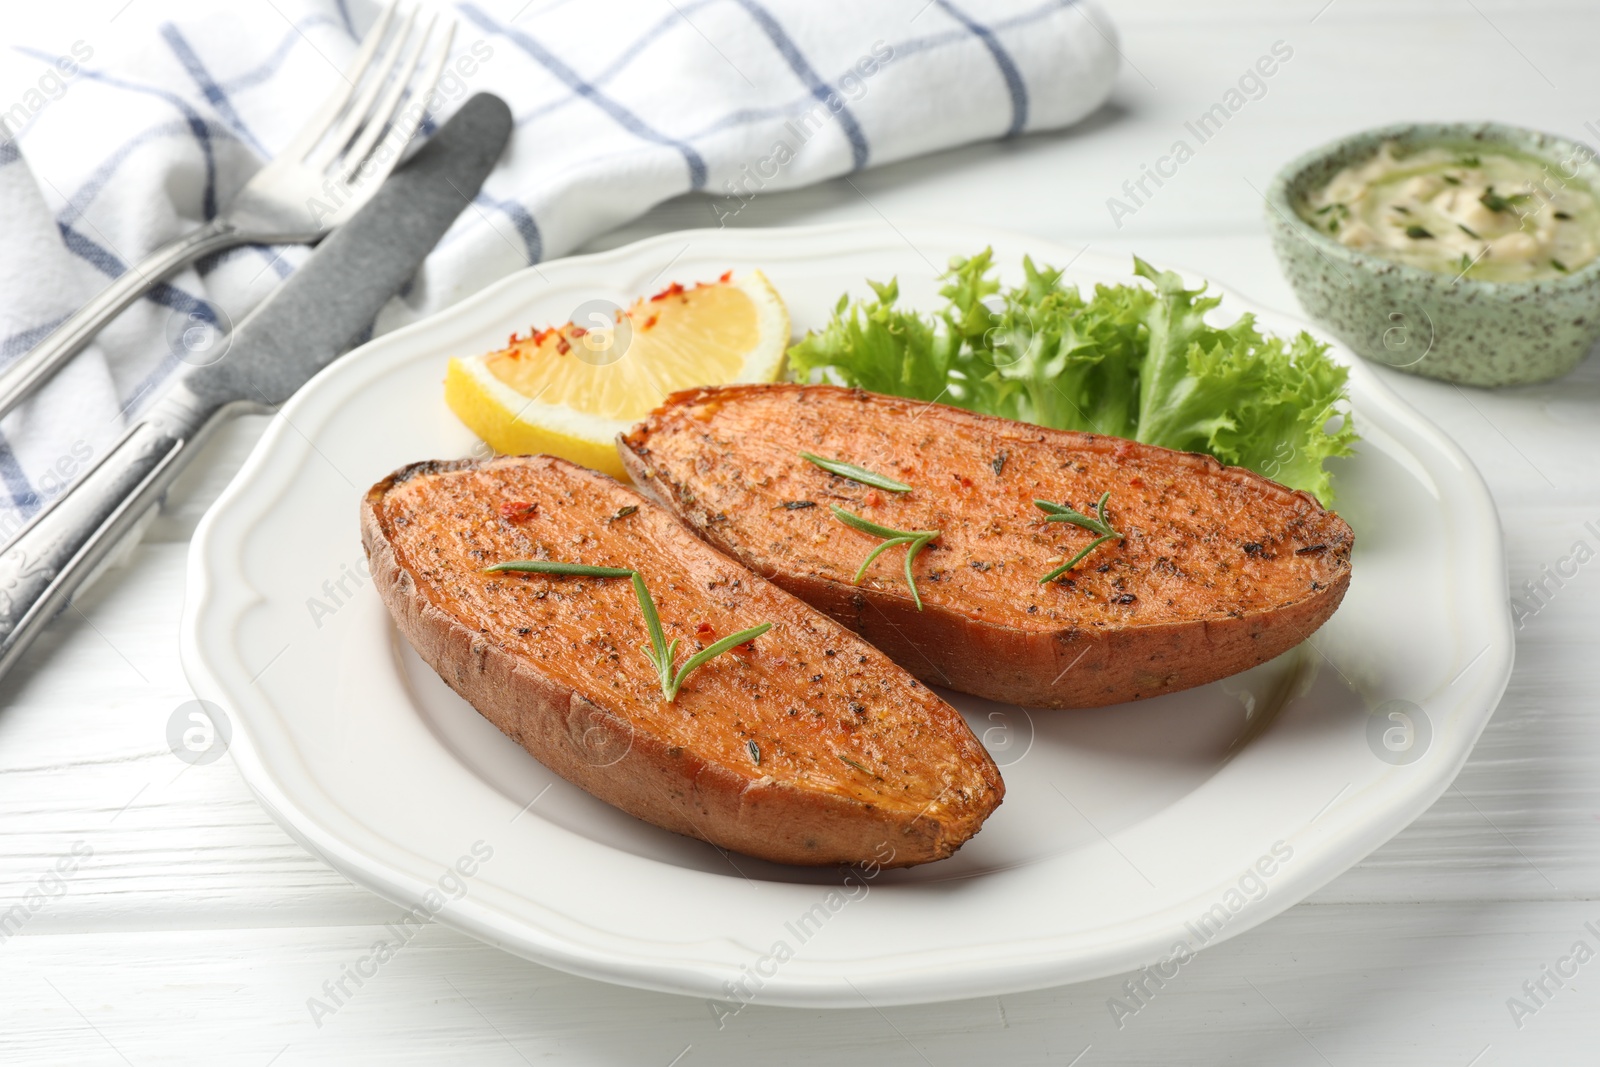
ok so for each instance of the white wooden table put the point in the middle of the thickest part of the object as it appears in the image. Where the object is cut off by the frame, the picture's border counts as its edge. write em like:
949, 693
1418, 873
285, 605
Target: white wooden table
196, 930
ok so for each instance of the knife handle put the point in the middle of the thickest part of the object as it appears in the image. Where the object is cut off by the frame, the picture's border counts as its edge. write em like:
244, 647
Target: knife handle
57, 553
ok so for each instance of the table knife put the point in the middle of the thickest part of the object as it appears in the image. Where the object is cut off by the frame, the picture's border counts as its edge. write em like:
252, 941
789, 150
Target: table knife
302, 327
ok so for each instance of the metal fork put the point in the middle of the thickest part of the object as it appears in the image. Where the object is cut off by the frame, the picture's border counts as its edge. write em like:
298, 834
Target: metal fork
333, 165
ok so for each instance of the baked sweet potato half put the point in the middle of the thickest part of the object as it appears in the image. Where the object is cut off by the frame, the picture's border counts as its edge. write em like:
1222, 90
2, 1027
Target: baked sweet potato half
1216, 569
807, 746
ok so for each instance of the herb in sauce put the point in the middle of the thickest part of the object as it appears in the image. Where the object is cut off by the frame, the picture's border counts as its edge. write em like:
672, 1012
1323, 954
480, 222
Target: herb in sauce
856, 474
755, 752
1497, 203
1417, 233
1066, 513
914, 540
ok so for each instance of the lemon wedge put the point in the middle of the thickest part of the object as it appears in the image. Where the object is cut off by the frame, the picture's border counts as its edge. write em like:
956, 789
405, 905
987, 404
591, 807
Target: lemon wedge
569, 390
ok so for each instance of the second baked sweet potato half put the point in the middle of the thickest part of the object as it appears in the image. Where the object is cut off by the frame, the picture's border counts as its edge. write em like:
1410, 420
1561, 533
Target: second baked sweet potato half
1046, 568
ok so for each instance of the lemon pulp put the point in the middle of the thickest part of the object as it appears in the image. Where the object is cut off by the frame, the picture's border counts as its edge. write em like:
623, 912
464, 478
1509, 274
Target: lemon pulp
569, 390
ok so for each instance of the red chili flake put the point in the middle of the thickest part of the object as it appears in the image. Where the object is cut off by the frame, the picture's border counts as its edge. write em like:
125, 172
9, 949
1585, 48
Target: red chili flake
705, 628
651, 321
512, 343
518, 510
672, 290
873, 499
563, 346
966, 483
726, 276
1136, 482
578, 331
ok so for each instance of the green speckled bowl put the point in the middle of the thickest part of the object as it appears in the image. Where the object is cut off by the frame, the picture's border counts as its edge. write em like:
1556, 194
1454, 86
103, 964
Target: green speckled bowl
1421, 321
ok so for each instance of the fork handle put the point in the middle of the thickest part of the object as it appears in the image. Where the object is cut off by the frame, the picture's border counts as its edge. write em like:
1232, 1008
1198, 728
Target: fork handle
61, 550
22, 378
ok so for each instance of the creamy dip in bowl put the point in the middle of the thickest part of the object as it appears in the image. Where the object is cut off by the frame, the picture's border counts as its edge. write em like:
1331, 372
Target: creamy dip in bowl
1473, 210
1469, 252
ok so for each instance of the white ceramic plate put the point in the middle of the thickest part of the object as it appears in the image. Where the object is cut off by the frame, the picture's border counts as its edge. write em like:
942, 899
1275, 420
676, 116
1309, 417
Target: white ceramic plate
1126, 832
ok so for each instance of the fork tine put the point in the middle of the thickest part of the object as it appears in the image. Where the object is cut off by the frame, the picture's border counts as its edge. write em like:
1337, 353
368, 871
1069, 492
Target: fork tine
429, 82
322, 120
409, 120
350, 125
380, 117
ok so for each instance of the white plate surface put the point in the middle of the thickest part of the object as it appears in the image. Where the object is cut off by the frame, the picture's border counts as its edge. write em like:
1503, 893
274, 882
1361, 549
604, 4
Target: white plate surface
1126, 832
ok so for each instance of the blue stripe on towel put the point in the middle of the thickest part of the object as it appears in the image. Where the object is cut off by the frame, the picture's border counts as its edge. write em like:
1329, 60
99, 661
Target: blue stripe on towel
523, 220
22, 493
269, 66
209, 87
163, 293
271, 258
9, 152
655, 34
908, 47
17, 343
912, 45
1003, 60
792, 55
344, 13
100, 177
621, 115
197, 124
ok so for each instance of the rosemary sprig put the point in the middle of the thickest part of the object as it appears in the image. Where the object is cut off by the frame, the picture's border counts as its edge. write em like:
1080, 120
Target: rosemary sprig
1099, 525
660, 654
548, 566
914, 540
853, 763
856, 474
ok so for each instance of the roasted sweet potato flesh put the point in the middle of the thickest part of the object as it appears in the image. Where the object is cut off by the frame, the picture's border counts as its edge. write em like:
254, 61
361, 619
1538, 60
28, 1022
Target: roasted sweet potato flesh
809, 746
1218, 569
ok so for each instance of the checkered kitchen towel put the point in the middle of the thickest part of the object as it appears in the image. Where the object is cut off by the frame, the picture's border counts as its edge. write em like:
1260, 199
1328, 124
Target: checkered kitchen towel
129, 132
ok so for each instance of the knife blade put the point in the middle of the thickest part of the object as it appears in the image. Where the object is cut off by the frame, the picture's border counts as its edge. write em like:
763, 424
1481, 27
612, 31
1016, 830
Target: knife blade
311, 319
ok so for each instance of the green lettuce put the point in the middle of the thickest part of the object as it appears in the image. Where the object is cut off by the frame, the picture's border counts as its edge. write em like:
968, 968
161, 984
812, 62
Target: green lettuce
1130, 361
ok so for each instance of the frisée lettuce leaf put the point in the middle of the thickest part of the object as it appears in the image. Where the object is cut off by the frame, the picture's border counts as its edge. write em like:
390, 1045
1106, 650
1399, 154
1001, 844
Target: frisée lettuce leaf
1131, 361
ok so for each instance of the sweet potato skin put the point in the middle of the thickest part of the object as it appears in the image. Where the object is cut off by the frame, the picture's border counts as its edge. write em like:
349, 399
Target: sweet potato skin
427, 532
1221, 569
